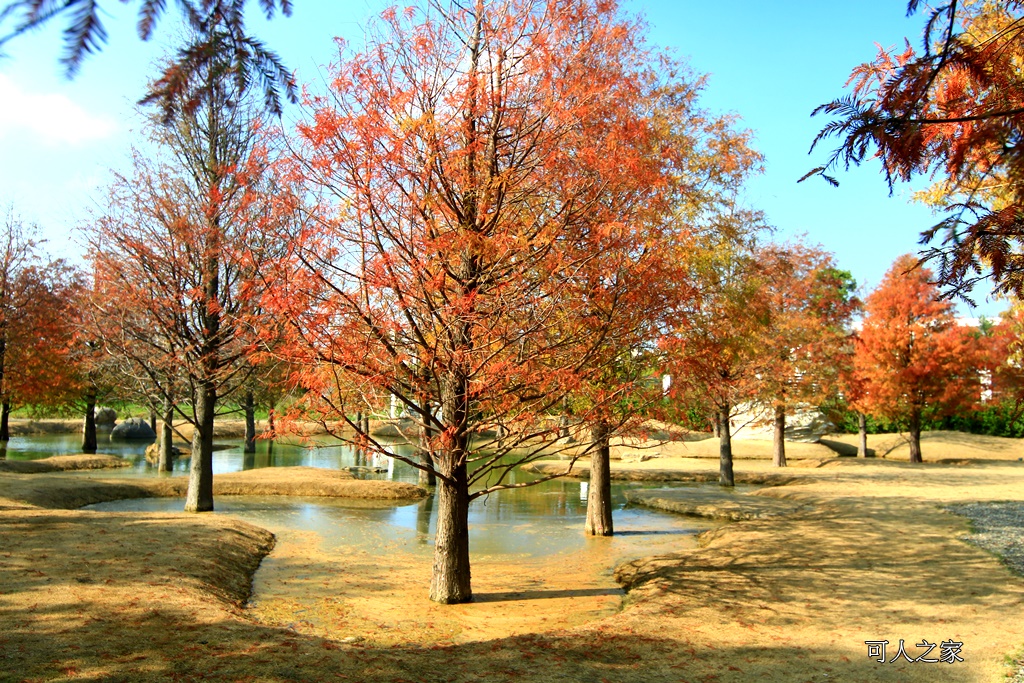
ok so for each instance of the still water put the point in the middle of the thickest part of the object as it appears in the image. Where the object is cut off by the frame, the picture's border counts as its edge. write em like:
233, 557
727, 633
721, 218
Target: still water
536, 521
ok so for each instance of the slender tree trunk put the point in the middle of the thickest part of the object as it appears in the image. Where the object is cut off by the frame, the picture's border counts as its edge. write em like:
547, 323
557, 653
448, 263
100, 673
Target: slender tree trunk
599, 491
5, 416
165, 463
779, 437
915, 437
89, 430
271, 428
200, 474
716, 425
426, 477
250, 423
862, 435
450, 580
152, 419
725, 474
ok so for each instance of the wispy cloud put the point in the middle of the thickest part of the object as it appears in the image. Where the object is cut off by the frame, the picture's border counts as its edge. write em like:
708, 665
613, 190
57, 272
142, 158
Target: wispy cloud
52, 117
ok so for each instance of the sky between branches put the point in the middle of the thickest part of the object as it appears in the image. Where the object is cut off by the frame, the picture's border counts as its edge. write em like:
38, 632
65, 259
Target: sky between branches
770, 63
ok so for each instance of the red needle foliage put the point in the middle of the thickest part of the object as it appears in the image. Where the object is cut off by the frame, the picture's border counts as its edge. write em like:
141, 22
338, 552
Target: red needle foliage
912, 359
954, 109
492, 232
36, 331
806, 342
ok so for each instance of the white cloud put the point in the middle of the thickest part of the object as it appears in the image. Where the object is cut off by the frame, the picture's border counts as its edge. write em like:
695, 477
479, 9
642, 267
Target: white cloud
52, 117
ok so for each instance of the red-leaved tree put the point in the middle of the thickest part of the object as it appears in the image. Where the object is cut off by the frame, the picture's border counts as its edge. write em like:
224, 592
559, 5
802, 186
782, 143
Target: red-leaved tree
912, 360
492, 195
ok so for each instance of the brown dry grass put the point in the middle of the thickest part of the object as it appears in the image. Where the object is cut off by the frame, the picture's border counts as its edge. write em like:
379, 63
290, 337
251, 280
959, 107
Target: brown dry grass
867, 554
63, 463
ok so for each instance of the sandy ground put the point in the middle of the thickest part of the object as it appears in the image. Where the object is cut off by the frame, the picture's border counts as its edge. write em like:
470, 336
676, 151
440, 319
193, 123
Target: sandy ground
867, 553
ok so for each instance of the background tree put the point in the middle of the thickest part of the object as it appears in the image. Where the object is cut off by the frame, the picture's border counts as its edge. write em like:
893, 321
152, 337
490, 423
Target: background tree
715, 343
811, 305
488, 162
176, 255
912, 358
36, 310
953, 109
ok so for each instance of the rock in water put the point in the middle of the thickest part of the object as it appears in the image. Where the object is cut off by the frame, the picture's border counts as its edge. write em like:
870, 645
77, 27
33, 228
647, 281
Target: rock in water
105, 417
133, 428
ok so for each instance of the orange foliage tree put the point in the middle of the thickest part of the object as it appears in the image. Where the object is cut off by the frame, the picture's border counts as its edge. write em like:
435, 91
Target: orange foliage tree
499, 198
807, 337
954, 108
912, 360
176, 257
36, 331
715, 341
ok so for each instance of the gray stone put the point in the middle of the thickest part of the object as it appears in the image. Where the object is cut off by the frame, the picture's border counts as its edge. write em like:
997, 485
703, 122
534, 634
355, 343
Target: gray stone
133, 428
105, 417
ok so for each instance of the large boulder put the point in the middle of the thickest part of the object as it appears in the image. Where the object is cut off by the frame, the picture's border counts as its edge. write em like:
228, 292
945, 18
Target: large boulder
133, 428
105, 418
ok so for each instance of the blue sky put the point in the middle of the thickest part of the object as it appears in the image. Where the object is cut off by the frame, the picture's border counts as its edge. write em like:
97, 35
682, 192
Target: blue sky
770, 63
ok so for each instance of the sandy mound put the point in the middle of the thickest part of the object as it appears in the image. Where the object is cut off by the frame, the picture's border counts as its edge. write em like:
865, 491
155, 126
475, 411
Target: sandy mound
714, 504
647, 471
63, 463
935, 446
70, 492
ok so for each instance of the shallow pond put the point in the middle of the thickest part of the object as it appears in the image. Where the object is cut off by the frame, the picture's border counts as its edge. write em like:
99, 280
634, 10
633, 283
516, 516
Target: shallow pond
545, 519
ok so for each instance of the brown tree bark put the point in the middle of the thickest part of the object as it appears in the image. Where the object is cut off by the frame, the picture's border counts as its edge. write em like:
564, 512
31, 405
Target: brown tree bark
779, 437
862, 435
152, 418
716, 426
915, 436
200, 474
450, 580
89, 429
599, 492
165, 462
249, 406
5, 415
725, 473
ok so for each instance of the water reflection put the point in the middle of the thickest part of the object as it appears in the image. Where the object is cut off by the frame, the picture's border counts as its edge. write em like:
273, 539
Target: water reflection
524, 527
531, 521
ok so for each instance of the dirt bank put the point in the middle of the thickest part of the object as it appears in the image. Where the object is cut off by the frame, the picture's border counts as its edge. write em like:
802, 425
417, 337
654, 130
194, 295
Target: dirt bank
75, 491
63, 463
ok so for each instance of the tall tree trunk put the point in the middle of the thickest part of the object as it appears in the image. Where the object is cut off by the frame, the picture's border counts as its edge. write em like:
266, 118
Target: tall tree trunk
862, 435
89, 429
725, 474
5, 416
779, 437
426, 477
249, 405
152, 419
599, 491
716, 424
915, 436
200, 474
271, 428
165, 462
450, 580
